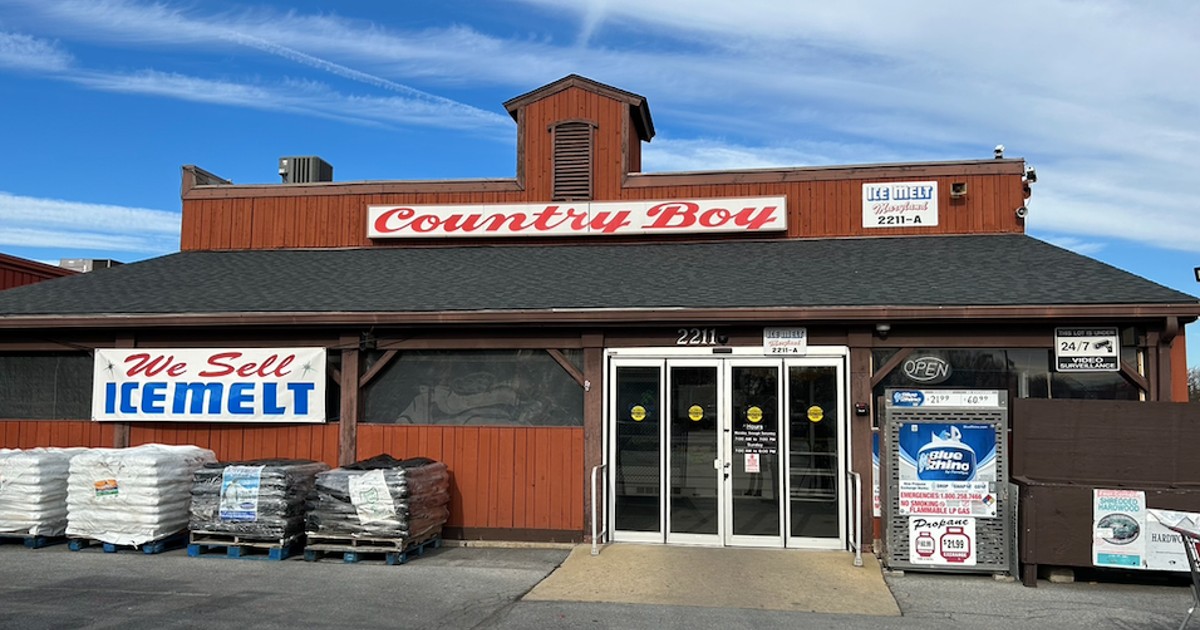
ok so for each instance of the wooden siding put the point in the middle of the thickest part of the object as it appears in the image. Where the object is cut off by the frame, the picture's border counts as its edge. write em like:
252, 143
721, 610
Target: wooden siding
16, 276
524, 478
238, 442
816, 209
61, 433
501, 477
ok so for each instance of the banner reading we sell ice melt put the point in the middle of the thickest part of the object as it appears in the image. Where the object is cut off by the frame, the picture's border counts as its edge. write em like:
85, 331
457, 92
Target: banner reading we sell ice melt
210, 385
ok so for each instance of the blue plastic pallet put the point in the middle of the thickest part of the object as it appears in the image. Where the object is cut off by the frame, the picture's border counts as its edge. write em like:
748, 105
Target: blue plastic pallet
32, 542
169, 543
244, 548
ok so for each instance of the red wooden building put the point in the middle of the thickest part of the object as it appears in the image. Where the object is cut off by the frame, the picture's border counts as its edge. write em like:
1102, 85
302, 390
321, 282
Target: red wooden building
711, 344
16, 272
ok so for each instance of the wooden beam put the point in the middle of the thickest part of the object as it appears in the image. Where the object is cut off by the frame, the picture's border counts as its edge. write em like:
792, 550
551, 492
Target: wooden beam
378, 367
1129, 371
121, 429
889, 365
566, 365
593, 419
861, 428
348, 431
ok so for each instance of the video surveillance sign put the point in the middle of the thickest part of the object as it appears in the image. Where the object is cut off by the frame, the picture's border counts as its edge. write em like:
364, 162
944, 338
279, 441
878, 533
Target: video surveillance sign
1087, 349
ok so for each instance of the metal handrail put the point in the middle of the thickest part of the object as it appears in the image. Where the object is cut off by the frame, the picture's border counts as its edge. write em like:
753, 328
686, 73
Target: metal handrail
856, 532
604, 519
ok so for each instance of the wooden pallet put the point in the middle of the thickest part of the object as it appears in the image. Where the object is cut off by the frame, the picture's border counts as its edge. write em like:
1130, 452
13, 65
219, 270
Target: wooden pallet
32, 542
393, 550
245, 547
174, 541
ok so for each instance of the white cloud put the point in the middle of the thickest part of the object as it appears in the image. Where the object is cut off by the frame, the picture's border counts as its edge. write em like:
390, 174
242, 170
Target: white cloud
1107, 119
1075, 244
279, 34
75, 226
24, 52
305, 98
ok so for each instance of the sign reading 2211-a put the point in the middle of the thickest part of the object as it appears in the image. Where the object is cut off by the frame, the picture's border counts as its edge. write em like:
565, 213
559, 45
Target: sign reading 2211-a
1087, 349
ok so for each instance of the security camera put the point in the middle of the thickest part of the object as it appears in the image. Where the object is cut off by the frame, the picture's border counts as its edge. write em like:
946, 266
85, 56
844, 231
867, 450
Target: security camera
998, 151
1030, 174
1022, 212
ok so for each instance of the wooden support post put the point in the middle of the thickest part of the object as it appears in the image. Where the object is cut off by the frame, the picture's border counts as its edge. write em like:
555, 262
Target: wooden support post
348, 431
861, 426
593, 420
121, 429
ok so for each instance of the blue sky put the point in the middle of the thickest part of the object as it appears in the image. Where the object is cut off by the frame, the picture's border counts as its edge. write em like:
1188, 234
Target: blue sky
104, 100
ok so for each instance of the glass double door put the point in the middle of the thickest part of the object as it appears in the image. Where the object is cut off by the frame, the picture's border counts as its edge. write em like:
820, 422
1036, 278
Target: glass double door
727, 451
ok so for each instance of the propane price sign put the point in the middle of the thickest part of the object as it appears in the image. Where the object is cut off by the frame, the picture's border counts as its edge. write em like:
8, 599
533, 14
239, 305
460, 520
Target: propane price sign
947, 542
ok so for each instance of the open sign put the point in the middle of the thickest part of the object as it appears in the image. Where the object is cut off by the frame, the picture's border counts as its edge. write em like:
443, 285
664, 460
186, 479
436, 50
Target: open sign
928, 369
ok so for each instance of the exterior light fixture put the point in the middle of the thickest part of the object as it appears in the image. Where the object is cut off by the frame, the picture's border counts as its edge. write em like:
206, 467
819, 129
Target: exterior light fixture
883, 328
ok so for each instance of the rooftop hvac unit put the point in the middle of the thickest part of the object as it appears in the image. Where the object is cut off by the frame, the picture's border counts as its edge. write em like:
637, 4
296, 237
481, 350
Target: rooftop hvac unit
302, 170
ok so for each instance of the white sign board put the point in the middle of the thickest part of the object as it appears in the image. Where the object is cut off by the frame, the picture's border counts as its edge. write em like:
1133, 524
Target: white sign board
785, 341
946, 398
1087, 349
947, 542
1118, 528
597, 218
947, 498
1164, 547
209, 385
900, 204
946, 469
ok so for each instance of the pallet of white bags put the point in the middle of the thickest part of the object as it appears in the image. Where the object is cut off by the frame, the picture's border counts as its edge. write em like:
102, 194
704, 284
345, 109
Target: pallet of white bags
353, 548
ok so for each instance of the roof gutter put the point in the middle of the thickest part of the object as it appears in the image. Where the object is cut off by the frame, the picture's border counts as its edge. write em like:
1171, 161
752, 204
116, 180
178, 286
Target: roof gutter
1185, 313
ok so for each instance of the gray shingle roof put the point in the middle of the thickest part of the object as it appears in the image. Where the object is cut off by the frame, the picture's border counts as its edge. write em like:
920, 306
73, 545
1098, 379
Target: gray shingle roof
986, 270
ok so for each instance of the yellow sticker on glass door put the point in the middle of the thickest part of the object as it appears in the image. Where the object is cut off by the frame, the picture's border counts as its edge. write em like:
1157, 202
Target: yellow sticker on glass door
816, 414
638, 413
696, 413
754, 414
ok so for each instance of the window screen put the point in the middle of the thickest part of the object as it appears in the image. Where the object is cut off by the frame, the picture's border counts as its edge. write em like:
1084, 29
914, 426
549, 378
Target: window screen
46, 386
475, 387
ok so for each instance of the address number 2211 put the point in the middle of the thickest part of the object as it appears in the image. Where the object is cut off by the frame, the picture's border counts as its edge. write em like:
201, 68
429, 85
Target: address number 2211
696, 337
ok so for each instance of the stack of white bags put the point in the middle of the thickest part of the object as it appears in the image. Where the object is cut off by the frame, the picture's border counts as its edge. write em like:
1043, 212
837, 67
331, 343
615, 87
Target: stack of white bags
33, 491
131, 496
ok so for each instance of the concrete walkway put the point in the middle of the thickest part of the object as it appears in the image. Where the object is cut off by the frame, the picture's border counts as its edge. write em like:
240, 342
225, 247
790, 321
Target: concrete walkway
760, 579
489, 588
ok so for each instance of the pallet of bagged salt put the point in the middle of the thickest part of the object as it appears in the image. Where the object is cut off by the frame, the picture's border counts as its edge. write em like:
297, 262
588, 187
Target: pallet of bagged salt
33, 491
261, 499
381, 497
132, 496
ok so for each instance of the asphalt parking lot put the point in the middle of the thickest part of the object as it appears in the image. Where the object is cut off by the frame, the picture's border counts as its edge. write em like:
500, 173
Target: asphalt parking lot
473, 587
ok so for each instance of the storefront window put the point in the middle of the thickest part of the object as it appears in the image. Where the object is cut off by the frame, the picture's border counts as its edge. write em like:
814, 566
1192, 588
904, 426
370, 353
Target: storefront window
46, 386
1023, 372
475, 387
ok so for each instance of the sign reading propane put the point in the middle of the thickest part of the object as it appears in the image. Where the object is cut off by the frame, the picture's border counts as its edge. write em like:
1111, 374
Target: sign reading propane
210, 385
677, 216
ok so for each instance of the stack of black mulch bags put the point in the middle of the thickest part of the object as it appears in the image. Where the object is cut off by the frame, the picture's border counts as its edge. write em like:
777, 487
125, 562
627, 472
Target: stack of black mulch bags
256, 499
381, 497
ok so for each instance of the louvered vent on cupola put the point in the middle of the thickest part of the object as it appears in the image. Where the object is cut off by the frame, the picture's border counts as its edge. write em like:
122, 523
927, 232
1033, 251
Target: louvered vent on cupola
572, 160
